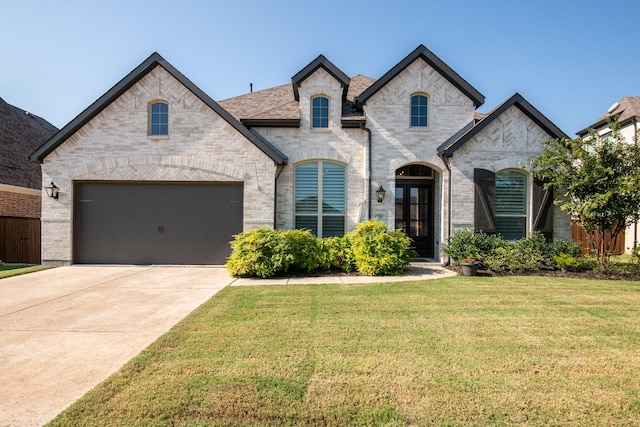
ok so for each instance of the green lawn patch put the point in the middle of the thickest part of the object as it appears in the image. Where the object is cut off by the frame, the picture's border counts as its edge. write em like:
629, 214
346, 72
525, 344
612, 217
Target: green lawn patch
457, 351
15, 270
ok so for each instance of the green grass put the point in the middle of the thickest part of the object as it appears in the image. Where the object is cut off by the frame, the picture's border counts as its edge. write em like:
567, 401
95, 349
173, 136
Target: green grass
458, 351
16, 270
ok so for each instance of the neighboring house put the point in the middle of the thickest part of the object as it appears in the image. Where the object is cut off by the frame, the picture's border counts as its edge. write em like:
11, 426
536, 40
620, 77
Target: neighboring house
627, 113
20, 183
155, 171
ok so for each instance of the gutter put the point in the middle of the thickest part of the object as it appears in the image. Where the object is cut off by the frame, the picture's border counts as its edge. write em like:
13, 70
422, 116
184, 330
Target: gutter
445, 159
366, 129
635, 223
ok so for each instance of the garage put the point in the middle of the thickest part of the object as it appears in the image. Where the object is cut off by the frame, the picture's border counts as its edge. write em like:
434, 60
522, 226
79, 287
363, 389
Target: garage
155, 222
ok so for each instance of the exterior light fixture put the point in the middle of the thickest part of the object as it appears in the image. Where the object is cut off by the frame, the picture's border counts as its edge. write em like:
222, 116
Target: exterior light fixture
52, 190
379, 192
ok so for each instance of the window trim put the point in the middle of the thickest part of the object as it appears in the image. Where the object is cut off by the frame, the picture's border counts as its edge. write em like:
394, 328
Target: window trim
312, 116
150, 118
319, 214
427, 116
526, 202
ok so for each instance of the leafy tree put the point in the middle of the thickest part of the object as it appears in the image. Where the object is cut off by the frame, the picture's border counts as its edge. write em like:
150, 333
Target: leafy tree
599, 178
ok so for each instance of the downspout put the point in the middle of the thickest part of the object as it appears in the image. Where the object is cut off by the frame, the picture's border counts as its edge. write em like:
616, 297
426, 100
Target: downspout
275, 194
445, 159
369, 167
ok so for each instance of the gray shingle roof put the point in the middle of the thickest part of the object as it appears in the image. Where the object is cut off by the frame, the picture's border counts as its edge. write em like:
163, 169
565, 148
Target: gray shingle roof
21, 133
628, 109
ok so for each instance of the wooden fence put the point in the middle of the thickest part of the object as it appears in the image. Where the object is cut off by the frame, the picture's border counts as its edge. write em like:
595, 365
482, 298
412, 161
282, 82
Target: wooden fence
20, 240
579, 235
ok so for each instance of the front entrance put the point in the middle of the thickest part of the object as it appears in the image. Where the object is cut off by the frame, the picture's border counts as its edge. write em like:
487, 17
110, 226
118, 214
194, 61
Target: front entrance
414, 206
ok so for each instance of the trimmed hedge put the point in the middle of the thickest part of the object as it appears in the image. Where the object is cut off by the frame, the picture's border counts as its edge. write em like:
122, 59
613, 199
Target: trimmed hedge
529, 253
371, 249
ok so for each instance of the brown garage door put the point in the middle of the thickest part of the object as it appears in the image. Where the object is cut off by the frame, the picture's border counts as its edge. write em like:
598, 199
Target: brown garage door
155, 223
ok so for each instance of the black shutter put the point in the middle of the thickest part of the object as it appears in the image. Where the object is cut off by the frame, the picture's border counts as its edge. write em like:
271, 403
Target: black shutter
485, 200
543, 210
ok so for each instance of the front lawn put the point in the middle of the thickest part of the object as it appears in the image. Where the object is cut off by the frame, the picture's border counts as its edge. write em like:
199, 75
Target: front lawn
17, 269
457, 351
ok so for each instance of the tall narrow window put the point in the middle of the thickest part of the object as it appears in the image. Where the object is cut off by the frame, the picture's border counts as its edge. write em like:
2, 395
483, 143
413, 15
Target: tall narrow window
511, 205
419, 111
320, 112
320, 198
159, 119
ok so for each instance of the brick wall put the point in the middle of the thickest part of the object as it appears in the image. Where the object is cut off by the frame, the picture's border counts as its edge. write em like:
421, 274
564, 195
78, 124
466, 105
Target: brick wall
19, 204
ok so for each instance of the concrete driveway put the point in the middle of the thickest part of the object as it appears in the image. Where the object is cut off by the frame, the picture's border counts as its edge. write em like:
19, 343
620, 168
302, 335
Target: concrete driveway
64, 330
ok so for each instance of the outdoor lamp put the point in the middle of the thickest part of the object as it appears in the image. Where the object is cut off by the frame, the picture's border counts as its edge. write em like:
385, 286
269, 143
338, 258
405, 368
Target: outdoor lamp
52, 190
379, 192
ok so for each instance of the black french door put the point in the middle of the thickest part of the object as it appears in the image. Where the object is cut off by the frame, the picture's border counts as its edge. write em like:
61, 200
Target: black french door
414, 215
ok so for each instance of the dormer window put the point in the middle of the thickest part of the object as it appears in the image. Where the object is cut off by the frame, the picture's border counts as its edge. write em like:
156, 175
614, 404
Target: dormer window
419, 109
320, 112
159, 119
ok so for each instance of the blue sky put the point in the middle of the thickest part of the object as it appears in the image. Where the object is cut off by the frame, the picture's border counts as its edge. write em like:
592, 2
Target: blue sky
570, 59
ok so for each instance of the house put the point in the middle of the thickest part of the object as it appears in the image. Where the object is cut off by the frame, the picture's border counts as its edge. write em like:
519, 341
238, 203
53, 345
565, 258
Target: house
20, 183
627, 113
155, 171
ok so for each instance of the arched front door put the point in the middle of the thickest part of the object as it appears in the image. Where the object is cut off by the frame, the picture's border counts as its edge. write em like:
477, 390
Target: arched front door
414, 206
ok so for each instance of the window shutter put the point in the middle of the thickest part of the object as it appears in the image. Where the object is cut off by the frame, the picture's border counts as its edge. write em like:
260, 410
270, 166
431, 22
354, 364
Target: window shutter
543, 209
485, 200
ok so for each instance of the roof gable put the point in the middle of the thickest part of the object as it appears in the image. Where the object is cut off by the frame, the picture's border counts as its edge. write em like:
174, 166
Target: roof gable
129, 81
624, 111
320, 62
472, 129
436, 63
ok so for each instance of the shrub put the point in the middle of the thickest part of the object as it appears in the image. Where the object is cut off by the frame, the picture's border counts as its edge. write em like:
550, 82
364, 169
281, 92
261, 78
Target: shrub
514, 257
299, 249
378, 251
470, 243
336, 252
252, 253
559, 247
566, 262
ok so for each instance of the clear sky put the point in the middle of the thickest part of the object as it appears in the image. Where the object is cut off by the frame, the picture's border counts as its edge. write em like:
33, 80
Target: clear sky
570, 59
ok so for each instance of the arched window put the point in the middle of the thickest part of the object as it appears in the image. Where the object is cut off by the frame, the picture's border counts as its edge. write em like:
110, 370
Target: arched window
419, 109
511, 204
320, 112
159, 118
320, 198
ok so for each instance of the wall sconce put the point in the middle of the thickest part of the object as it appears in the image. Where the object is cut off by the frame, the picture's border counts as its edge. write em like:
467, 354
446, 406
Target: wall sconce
380, 194
52, 190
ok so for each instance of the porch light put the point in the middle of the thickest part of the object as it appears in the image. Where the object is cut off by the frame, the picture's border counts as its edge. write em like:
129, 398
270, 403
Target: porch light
52, 190
379, 192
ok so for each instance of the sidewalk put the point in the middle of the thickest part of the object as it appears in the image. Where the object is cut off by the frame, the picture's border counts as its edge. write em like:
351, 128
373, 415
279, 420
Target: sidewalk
416, 271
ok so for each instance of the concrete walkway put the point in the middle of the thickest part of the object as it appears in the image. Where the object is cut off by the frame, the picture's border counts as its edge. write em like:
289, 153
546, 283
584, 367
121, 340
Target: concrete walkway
65, 330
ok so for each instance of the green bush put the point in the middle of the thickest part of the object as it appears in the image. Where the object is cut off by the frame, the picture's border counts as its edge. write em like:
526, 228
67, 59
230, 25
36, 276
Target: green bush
566, 262
557, 248
470, 243
253, 253
378, 251
336, 252
371, 249
515, 258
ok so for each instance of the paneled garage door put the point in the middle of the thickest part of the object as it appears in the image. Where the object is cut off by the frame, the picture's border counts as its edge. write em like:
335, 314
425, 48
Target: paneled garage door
155, 223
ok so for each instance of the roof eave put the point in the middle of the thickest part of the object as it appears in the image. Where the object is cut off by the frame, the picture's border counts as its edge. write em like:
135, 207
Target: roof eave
435, 62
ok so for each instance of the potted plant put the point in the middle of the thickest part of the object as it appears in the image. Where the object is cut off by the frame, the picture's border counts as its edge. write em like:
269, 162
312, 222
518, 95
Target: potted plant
469, 266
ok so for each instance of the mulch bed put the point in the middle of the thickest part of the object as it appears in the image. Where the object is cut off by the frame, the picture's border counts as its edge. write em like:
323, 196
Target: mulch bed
587, 274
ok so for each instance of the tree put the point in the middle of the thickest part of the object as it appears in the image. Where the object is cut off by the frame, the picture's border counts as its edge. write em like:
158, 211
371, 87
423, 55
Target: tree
599, 178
